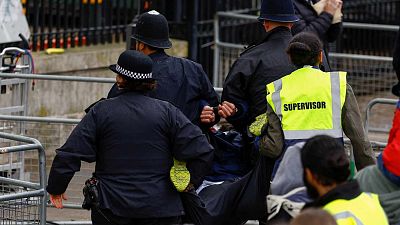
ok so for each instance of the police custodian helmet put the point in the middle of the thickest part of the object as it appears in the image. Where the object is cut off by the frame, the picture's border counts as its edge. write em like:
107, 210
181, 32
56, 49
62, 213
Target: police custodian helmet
278, 11
152, 29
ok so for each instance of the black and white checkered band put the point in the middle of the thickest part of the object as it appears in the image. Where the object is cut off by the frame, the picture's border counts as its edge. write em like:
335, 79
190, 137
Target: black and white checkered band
133, 75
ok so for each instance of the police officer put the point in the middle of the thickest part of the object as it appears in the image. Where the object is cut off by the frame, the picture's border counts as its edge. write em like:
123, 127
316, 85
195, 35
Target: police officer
310, 102
179, 81
326, 171
133, 139
243, 96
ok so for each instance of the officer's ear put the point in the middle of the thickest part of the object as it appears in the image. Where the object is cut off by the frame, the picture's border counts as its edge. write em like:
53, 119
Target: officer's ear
140, 46
121, 81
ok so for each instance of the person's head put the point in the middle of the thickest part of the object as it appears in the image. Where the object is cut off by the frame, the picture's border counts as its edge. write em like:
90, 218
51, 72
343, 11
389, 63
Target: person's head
151, 33
305, 49
325, 164
134, 71
314, 216
276, 13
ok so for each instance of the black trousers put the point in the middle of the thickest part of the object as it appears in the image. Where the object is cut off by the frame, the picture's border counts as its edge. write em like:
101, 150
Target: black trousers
106, 217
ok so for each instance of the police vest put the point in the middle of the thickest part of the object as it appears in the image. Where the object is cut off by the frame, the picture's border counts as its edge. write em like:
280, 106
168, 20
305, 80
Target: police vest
309, 102
363, 210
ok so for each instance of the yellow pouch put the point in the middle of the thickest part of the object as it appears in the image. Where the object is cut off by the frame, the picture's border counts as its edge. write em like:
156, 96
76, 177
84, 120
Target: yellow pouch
179, 175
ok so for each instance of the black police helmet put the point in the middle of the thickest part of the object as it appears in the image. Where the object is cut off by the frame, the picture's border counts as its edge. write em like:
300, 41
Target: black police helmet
278, 11
152, 29
133, 65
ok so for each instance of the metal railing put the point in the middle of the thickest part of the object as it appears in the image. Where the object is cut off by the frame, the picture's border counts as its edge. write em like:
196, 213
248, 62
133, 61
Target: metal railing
68, 78
20, 200
371, 105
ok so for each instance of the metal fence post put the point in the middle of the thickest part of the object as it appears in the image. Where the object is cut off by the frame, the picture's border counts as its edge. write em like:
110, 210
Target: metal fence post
193, 39
216, 52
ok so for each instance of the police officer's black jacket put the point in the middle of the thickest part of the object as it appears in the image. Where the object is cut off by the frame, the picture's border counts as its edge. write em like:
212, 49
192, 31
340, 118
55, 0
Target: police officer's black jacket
133, 139
181, 82
245, 85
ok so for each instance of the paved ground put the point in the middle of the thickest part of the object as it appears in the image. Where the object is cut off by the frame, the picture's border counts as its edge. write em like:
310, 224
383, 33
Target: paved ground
82, 215
54, 214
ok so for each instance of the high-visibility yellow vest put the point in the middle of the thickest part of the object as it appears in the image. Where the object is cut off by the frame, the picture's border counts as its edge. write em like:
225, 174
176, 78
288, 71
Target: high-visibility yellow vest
362, 210
309, 102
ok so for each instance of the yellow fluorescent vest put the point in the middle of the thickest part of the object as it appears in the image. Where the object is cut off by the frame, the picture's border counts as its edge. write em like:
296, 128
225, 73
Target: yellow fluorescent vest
309, 102
363, 210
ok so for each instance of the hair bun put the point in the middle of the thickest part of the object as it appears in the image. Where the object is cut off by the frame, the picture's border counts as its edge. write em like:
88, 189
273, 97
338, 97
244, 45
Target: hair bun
299, 46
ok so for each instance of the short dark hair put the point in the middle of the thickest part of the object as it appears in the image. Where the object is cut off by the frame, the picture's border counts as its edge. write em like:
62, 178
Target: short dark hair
304, 49
151, 48
326, 158
144, 85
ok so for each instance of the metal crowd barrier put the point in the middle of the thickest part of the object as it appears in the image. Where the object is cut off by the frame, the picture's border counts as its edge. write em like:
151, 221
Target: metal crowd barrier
371, 105
23, 202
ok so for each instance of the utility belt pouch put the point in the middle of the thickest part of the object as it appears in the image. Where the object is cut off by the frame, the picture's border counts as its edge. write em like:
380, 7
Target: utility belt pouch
91, 194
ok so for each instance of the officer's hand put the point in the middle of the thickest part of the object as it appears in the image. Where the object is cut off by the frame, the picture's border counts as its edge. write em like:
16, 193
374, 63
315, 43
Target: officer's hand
227, 109
57, 200
332, 6
207, 115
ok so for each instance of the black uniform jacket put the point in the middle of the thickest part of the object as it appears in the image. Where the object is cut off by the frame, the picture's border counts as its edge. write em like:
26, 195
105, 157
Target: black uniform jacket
256, 67
183, 83
133, 140
312, 22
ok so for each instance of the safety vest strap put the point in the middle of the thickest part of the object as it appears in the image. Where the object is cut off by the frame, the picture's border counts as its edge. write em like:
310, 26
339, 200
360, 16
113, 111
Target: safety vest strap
306, 134
336, 109
276, 98
346, 216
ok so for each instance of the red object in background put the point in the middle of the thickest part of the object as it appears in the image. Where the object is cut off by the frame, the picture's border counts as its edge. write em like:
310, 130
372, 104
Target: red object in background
53, 43
391, 154
76, 40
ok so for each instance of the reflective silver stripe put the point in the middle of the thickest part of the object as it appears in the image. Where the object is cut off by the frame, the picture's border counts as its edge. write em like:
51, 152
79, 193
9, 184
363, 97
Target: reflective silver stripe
336, 104
369, 194
306, 134
276, 98
346, 215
